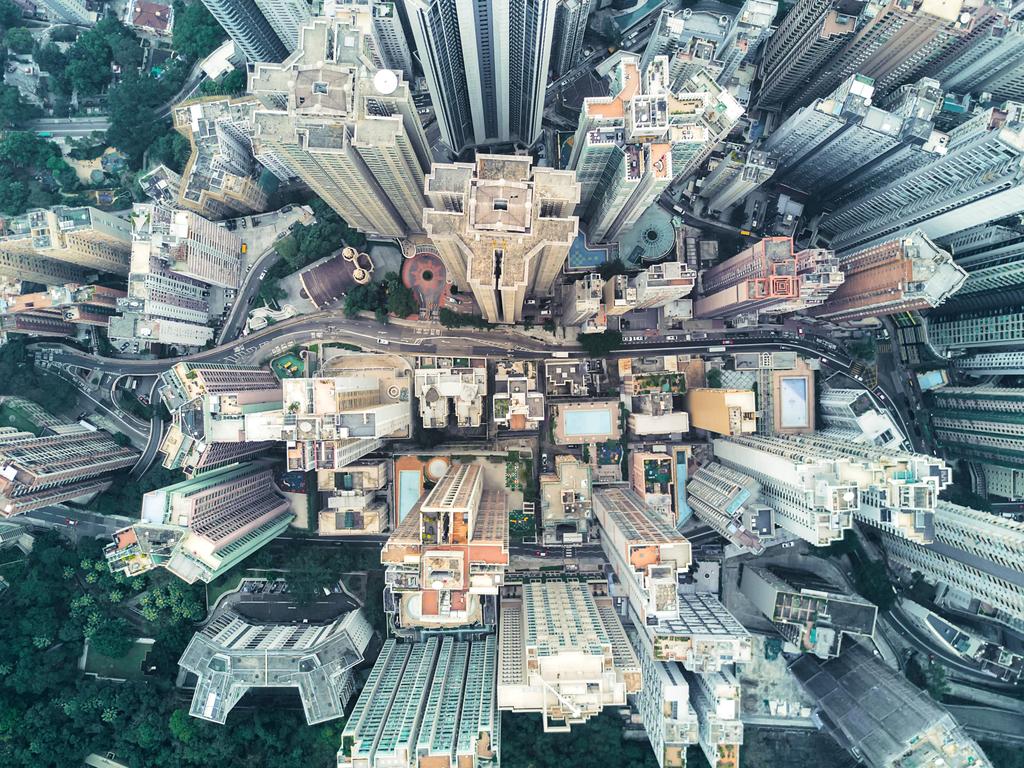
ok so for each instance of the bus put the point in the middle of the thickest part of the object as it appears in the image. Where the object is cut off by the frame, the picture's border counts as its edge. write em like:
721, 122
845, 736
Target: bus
716, 349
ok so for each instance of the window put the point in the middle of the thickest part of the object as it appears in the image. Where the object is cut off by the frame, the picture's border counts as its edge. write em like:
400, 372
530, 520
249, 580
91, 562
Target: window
500, 204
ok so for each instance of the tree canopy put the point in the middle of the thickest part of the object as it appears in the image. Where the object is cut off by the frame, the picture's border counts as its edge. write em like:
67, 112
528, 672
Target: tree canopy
196, 33
450, 319
19, 377
600, 344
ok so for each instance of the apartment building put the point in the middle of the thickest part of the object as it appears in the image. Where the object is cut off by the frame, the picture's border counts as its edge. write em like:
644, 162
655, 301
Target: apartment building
817, 485
200, 528
562, 653
979, 424
426, 704
630, 146
565, 501
735, 176
716, 700
813, 620
571, 18
251, 31
901, 275
82, 240
221, 178
445, 384
75, 465
447, 558
502, 227
232, 655
768, 277
348, 129
726, 499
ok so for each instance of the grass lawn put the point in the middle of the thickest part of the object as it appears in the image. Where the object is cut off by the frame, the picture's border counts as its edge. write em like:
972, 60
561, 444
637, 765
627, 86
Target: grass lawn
128, 667
225, 583
13, 416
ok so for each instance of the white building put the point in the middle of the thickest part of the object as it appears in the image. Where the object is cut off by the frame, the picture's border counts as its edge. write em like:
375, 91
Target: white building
486, 66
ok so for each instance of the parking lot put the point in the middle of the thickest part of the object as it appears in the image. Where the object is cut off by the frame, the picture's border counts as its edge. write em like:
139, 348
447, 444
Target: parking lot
272, 602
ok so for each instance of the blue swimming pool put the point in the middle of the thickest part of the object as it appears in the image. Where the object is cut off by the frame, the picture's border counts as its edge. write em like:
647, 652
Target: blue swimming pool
410, 487
579, 423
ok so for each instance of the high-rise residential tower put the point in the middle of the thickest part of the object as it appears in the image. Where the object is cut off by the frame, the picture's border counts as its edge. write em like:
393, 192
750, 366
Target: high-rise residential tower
980, 424
721, 498
567, 42
39, 471
737, 174
768, 277
818, 485
976, 554
86, 239
630, 146
901, 275
502, 227
486, 66
978, 180
250, 30
198, 529
348, 130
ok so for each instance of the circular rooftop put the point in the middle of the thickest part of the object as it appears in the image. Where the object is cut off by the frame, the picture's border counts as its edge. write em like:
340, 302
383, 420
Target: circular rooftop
385, 81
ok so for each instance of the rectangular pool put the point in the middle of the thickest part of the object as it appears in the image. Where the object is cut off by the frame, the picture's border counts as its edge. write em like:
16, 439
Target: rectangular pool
793, 407
410, 488
579, 423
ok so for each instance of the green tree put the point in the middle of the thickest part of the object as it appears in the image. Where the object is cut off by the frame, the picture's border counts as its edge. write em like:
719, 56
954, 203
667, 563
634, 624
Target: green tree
13, 197
714, 377
401, 301
112, 637
196, 33
231, 84
610, 269
362, 298
288, 249
19, 40
10, 14
13, 110
133, 124
65, 34
600, 344
171, 149
450, 319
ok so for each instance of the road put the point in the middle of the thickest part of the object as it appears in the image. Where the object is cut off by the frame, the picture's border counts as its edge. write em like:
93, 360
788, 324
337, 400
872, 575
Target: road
917, 638
195, 77
88, 524
990, 724
71, 127
247, 292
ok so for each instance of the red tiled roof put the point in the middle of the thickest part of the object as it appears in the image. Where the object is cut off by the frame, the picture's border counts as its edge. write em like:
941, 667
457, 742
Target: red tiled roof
151, 15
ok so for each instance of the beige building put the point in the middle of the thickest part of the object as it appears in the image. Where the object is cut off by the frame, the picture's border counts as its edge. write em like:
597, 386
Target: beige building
502, 228
563, 653
565, 501
652, 477
722, 411
446, 560
346, 128
87, 239
221, 177
517, 403
581, 300
351, 499
440, 384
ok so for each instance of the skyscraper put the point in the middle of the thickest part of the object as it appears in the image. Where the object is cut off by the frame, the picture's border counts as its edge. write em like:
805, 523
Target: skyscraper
348, 130
502, 227
768, 277
814, 620
993, 62
977, 180
842, 142
691, 39
979, 424
900, 275
630, 146
721, 498
486, 66
737, 174
250, 30
390, 37
895, 41
198, 529
883, 718
716, 700
85, 238
562, 653
39, 471
567, 42
446, 559
993, 256
986, 581
818, 485
221, 177
810, 34
406, 713
749, 28
972, 329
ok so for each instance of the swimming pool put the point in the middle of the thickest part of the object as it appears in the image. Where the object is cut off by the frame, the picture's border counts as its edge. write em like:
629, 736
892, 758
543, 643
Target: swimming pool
579, 423
793, 410
410, 488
